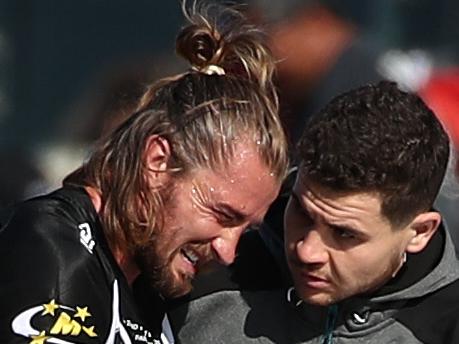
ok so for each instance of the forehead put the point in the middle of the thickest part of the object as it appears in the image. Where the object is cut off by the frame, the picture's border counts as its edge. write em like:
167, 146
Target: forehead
362, 210
243, 182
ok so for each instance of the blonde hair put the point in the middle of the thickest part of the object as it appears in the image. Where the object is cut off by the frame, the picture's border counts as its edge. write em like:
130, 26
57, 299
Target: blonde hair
201, 114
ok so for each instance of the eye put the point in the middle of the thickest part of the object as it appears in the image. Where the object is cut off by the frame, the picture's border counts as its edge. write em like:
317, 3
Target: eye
225, 219
343, 233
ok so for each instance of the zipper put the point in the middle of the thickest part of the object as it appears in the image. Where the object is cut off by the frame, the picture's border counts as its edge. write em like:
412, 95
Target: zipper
332, 314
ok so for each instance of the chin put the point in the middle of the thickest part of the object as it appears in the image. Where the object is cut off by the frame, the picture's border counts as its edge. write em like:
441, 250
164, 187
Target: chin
317, 298
174, 286
178, 291
323, 300
163, 277
174, 293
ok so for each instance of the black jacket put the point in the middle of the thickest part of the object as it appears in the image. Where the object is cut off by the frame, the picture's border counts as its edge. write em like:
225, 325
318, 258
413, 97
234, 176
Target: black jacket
59, 278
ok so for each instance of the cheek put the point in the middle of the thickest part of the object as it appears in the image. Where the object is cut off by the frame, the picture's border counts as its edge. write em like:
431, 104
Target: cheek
193, 225
181, 215
363, 266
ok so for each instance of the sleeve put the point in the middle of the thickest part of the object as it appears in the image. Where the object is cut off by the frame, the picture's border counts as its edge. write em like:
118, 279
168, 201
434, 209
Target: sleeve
53, 289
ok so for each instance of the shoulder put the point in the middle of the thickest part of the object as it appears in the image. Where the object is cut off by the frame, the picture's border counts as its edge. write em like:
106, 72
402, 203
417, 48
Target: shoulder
435, 317
63, 206
242, 300
48, 226
54, 278
236, 316
254, 269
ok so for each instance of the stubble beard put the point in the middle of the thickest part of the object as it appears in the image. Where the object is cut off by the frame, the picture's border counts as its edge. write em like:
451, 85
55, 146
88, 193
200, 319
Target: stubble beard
158, 271
155, 262
336, 294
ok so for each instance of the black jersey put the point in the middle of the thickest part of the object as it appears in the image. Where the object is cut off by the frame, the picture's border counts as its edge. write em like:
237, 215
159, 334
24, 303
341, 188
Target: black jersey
60, 283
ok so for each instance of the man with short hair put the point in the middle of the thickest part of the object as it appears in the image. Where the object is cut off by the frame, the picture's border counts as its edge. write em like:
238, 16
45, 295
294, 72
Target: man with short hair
370, 260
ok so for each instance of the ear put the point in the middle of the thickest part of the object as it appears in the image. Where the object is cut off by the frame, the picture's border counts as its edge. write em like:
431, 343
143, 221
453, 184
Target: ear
423, 228
157, 154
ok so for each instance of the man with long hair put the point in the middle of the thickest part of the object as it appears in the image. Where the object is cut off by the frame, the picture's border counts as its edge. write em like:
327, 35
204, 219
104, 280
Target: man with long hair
164, 196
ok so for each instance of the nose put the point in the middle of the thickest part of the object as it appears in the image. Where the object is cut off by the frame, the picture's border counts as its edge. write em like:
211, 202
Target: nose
311, 248
224, 246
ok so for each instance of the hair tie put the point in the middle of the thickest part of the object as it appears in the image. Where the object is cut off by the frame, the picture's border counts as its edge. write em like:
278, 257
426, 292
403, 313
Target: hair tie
210, 70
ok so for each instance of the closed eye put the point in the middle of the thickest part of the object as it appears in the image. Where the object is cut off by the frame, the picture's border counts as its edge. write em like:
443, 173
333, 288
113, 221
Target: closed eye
227, 219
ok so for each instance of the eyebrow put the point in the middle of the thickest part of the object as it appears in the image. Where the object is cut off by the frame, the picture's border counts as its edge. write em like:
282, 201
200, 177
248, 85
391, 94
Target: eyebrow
238, 216
231, 212
353, 230
349, 229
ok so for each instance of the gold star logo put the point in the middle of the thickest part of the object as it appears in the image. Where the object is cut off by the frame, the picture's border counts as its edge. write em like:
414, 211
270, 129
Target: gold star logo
82, 313
40, 339
50, 307
90, 331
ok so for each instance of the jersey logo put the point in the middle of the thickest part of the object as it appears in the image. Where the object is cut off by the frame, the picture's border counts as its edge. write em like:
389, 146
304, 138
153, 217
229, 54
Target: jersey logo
59, 324
86, 237
63, 322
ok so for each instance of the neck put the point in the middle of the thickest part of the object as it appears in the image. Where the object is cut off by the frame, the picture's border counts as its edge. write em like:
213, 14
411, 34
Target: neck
127, 265
94, 195
417, 265
125, 261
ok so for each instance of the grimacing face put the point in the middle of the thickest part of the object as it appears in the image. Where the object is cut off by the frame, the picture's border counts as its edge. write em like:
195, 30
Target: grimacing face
339, 245
206, 213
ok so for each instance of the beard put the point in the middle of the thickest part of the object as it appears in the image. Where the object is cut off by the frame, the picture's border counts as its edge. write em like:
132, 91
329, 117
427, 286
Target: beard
157, 269
157, 258
154, 259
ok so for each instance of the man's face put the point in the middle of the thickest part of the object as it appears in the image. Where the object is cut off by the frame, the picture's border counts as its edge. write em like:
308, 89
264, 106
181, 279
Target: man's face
205, 214
338, 246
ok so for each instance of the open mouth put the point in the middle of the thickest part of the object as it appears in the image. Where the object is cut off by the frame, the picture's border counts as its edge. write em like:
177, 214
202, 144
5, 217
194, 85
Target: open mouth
190, 255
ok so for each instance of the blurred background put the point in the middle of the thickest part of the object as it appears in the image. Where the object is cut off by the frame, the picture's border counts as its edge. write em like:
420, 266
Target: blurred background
71, 70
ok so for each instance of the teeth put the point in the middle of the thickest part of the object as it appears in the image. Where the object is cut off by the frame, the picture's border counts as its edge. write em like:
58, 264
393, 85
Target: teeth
191, 256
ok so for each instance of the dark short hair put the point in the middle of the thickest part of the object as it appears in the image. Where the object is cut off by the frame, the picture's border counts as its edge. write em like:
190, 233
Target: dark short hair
380, 139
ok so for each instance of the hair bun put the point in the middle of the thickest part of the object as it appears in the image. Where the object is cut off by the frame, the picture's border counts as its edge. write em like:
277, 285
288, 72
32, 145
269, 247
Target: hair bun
200, 45
223, 37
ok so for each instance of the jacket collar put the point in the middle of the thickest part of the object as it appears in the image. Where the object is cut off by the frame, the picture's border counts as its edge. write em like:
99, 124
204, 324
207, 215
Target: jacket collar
433, 268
